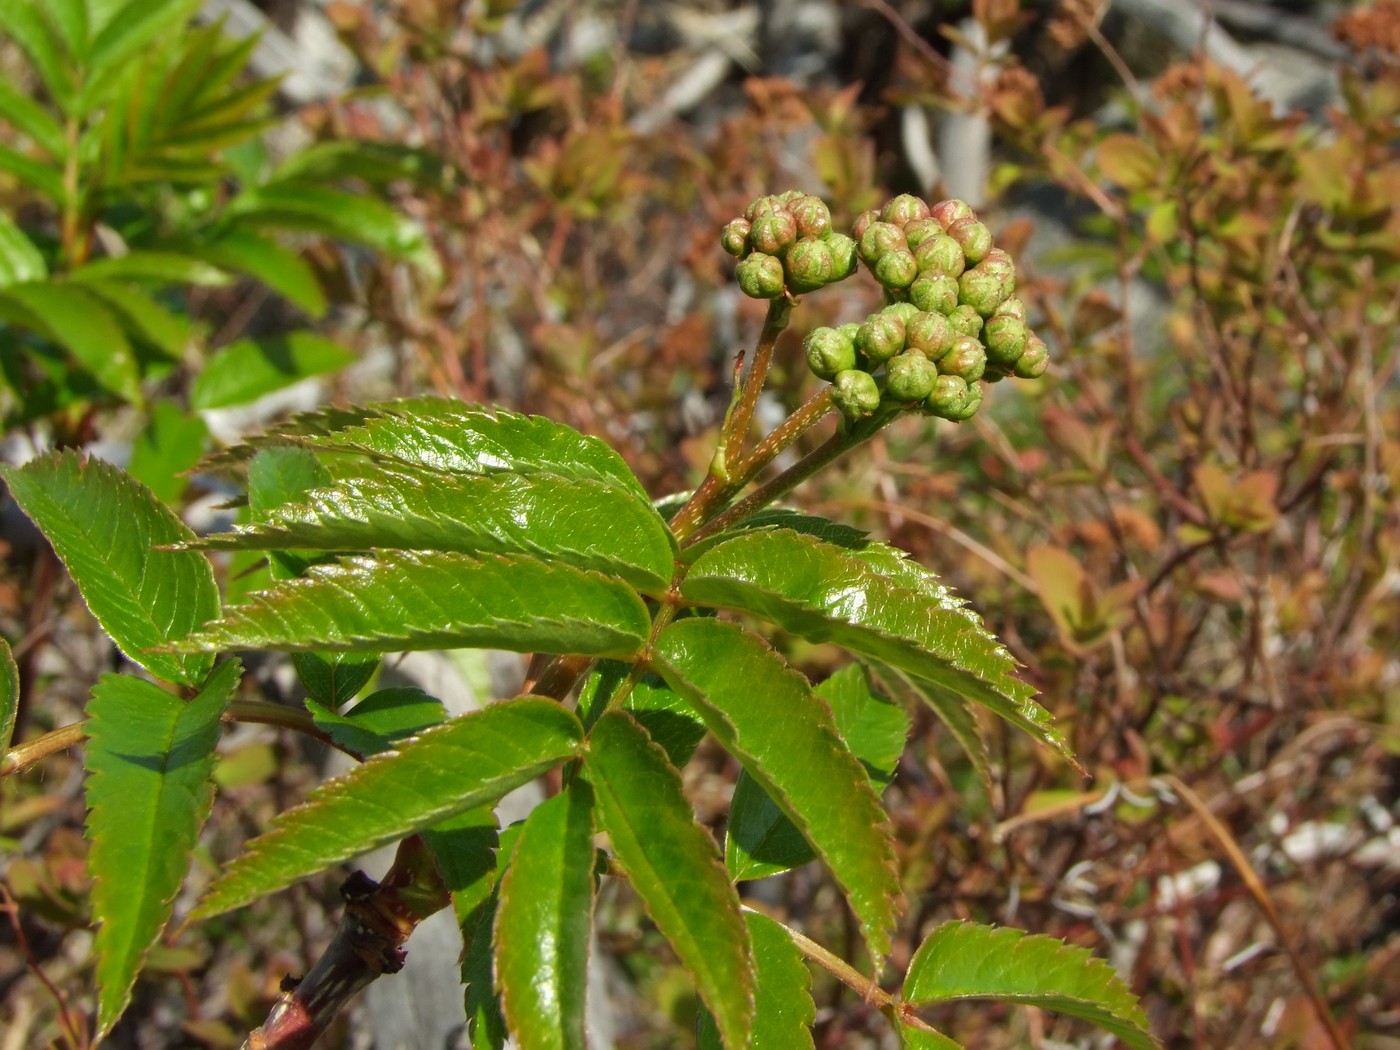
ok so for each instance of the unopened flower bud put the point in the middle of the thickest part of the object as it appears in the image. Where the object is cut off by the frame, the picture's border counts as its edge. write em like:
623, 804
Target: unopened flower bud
1034, 359
974, 238
828, 351
760, 276
930, 333
940, 254
896, 269
849, 329
967, 360
855, 393
843, 255
948, 396
812, 215
971, 402
787, 197
945, 213
1005, 338
982, 291
920, 230
965, 321
936, 293
863, 221
808, 265
734, 238
878, 238
904, 208
762, 206
904, 311
881, 337
998, 262
909, 377
773, 233
1013, 308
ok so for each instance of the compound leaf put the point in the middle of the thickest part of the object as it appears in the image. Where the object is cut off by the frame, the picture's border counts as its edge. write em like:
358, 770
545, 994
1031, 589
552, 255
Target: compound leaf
455, 766
875, 602
149, 759
431, 600
766, 714
675, 869
965, 960
783, 1007
104, 525
83, 325
543, 922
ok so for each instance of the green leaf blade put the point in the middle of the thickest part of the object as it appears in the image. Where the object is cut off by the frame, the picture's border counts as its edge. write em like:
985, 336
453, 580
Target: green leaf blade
9, 696
964, 960
83, 325
766, 714
414, 600
783, 1007
675, 869
149, 759
456, 766
249, 368
20, 261
543, 923
259, 257
104, 527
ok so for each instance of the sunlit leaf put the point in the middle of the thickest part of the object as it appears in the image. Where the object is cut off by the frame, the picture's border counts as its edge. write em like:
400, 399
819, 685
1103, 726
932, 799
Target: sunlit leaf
20, 261
9, 695
83, 325
783, 1007
246, 370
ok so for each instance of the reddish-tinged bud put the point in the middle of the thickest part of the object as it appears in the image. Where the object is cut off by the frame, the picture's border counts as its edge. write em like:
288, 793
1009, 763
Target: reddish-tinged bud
808, 265
843, 255
773, 233
760, 276
945, 213
982, 291
828, 351
930, 333
920, 230
762, 206
909, 377
1034, 359
904, 208
940, 254
812, 215
896, 269
855, 393
973, 237
998, 262
948, 396
878, 238
965, 321
904, 311
967, 360
787, 197
881, 337
1013, 308
1005, 338
936, 293
863, 221
734, 238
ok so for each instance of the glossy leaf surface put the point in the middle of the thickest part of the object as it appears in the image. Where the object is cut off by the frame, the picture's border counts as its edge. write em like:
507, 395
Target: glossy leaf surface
766, 714
461, 764
783, 1008
149, 758
104, 526
675, 869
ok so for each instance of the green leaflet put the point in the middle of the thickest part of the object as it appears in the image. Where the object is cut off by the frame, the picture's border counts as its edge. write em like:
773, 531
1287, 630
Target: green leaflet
673, 865
874, 602
911, 1038
80, 323
412, 600
246, 370
376, 163
154, 267
460, 438
281, 269
783, 1008
149, 758
765, 713
667, 717
9, 696
965, 960
543, 923
171, 444
761, 840
456, 766
20, 261
144, 319
30, 118
104, 526
24, 22
957, 717
587, 524
374, 724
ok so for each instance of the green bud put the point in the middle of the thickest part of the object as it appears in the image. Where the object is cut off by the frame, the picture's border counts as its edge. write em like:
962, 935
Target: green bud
808, 265
1012, 308
971, 402
896, 269
904, 311
788, 197
843, 255
881, 337
909, 377
1034, 359
965, 321
973, 237
998, 262
813, 217
967, 360
936, 293
849, 330
734, 238
930, 333
828, 351
982, 291
920, 230
1005, 338
904, 208
760, 276
855, 393
945, 213
878, 238
773, 233
940, 254
948, 396
863, 221
762, 206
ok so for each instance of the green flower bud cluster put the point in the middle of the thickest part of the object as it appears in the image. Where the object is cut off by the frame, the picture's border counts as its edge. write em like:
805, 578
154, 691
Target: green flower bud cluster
786, 243
952, 322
